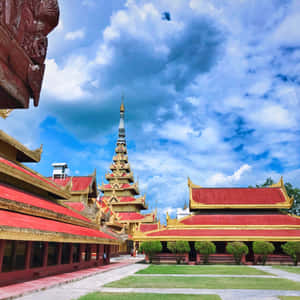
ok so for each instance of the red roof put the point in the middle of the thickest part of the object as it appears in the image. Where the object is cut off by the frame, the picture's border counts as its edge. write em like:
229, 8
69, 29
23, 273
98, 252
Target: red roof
26, 171
76, 205
227, 233
126, 199
123, 186
17, 220
226, 220
13, 194
79, 183
130, 216
237, 196
148, 227
126, 185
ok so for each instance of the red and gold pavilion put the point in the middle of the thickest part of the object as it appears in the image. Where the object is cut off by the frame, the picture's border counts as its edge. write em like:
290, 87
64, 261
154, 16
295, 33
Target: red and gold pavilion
231, 214
119, 195
40, 234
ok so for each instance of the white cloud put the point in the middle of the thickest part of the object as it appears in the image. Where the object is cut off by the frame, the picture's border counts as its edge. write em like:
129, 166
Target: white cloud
222, 179
67, 83
75, 35
273, 116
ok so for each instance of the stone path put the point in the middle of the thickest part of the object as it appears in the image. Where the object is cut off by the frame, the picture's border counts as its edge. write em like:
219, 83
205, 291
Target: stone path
94, 280
61, 280
205, 275
77, 289
227, 294
279, 273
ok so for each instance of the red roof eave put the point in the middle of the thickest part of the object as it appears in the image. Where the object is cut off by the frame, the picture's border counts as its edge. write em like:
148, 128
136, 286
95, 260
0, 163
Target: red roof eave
16, 220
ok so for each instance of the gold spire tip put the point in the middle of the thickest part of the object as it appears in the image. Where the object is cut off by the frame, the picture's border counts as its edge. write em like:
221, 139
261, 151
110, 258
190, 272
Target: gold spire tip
122, 108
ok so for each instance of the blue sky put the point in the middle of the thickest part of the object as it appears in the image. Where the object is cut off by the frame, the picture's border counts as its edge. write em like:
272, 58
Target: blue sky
212, 93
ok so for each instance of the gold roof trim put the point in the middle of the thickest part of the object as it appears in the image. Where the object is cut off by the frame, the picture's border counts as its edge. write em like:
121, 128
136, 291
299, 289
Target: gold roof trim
23, 153
49, 187
286, 204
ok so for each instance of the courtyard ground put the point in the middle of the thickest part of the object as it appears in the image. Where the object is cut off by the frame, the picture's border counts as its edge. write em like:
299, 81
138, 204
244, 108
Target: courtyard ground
127, 280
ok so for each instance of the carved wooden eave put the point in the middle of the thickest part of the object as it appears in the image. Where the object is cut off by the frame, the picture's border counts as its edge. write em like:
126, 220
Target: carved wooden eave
44, 213
120, 157
14, 233
51, 187
24, 26
288, 201
23, 154
121, 149
120, 176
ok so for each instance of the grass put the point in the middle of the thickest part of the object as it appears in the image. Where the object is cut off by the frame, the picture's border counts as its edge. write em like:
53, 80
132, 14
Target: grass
206, 283
135, 296
289, 297
291, 269
216, 269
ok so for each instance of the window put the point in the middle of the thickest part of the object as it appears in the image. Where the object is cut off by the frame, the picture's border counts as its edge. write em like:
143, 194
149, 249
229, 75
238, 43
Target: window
66, 253
88, 251
97, 252
14, 256
53, 249
76, 253
37, 254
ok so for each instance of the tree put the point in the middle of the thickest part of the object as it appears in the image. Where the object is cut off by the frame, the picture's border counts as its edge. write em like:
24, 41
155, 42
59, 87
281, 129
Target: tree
205, 248
293, 250
179, 247
151, 248
291, 191
238, 249
263, 248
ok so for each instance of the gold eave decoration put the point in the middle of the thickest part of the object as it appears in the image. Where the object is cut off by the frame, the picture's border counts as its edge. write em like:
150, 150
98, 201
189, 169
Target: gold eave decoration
198, 205
146, 237
24, 154
27, 234
22, 176
4, 113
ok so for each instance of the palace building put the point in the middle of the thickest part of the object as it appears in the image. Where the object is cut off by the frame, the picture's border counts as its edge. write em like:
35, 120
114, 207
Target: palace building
221, 215
44, 230
120, 194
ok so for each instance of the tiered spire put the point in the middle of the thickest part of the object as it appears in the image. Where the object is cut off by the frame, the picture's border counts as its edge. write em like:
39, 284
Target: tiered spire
121, 139
121, 190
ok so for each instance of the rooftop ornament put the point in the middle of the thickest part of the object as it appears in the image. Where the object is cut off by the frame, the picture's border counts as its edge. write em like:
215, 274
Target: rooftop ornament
24, 26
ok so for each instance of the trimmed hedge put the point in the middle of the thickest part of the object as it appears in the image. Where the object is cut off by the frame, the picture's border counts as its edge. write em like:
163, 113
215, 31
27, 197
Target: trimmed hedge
293, 250
205, 248
263, 248
238, 249
179, 247
151, 248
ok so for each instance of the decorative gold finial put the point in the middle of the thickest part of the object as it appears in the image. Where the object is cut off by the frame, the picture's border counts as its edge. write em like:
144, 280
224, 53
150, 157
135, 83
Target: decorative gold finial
122, 108
4, 113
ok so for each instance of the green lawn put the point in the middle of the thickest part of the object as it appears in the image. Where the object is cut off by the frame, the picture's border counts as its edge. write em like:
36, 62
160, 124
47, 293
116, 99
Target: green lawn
289, 297
132, 296
206, 283
213, 269
288, 269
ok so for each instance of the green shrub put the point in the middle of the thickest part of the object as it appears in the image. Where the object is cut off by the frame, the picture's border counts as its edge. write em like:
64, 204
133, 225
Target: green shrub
151, 248
263, 248
238, 249
205, 248
179, 247
293, 250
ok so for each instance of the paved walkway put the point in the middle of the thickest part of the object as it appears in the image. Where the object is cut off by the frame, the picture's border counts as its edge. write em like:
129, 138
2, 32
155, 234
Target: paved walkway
60, 282
224, 294
204, 275
279, 273
74, 285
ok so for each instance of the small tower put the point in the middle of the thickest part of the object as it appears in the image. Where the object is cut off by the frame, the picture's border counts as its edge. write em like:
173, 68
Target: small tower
60, 170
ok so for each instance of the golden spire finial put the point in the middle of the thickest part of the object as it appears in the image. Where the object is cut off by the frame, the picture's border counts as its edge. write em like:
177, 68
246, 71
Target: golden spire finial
122, 108
4, 113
